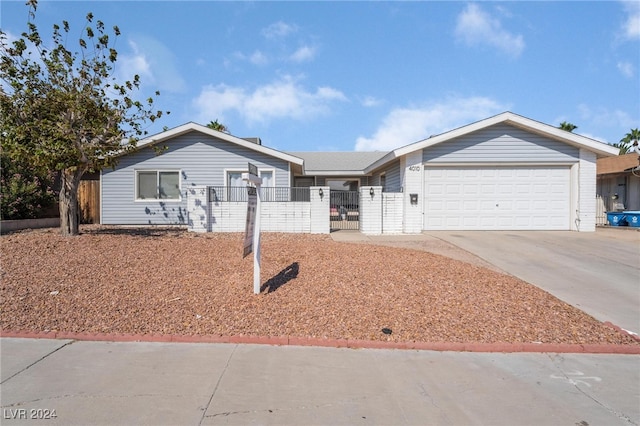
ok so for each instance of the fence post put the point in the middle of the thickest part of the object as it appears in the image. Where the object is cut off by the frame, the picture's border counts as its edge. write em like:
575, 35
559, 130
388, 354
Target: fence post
198, 209
371, 210
319, 197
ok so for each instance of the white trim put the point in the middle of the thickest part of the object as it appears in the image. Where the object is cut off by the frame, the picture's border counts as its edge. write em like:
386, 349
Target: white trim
574, 193
147, 200
358, 173
499, 164
190, 127
574, 139
225, 174
601, 149
272, 171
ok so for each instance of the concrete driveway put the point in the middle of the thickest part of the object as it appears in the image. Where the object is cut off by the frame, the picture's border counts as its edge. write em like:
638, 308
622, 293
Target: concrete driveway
597, 272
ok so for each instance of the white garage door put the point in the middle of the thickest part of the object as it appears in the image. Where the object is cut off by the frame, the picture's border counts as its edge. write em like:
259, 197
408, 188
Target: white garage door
497, 198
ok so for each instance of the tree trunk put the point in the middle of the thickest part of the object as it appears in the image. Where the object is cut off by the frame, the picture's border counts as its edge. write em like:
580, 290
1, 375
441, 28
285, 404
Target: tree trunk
69, 209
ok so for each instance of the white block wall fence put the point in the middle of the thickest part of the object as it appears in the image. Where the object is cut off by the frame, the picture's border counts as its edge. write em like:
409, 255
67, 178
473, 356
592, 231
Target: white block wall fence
380, 213
198, 209
392, 211
371, 210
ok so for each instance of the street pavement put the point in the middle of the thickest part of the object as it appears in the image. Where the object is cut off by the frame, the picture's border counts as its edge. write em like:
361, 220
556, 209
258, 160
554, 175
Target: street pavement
118, 383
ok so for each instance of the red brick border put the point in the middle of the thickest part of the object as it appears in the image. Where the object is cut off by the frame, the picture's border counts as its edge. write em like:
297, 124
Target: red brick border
338, 343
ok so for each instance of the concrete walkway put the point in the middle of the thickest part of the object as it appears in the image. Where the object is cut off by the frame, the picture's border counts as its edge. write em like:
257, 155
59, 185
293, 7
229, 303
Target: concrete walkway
597, 272
107, 383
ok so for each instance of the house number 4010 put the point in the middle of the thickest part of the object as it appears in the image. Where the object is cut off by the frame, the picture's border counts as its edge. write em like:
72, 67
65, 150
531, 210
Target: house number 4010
414, 168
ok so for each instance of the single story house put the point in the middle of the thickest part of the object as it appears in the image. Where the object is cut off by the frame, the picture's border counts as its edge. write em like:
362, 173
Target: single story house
506, 172
618, 182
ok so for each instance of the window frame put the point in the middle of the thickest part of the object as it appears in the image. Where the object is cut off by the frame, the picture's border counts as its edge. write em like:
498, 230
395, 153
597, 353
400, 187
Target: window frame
232, 195
136, 192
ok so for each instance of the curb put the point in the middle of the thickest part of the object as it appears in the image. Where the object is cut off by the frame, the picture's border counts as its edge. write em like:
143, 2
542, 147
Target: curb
335, 343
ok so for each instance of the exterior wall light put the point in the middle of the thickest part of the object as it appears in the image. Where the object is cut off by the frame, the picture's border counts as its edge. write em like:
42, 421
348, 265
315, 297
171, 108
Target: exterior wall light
320, 193
371, 191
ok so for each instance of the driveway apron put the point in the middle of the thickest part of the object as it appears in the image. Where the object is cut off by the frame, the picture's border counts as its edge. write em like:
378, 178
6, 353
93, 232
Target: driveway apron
597, 272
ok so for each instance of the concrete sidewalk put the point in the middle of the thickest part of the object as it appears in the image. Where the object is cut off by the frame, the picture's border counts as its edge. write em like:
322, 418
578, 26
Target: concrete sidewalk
110, 383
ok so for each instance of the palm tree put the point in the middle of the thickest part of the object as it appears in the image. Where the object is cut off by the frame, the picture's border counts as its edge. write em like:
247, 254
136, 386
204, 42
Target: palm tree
215, 125
569, 127
626, 143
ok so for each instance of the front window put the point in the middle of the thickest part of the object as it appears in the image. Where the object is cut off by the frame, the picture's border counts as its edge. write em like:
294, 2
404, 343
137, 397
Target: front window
157, 185
236, 187
267, 189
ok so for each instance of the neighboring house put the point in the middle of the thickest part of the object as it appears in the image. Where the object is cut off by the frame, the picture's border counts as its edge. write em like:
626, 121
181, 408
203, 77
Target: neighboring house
618, 183
506, 172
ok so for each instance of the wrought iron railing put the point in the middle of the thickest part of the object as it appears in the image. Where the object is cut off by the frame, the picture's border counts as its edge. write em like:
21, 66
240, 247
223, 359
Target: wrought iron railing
267, 194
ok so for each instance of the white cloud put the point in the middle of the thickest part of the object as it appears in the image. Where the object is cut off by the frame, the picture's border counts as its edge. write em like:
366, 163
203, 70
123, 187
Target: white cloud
136, 63
627, 69
303, 54
403, 126
631, 27
613, 122
284, 98
475, 26
10, 38
370, 101
153, 62
258, 58
604, 116
278, 30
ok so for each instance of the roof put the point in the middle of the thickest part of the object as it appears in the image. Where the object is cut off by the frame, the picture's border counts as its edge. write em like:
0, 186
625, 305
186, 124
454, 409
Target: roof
194, 127
601, 149
619, 164
338, 163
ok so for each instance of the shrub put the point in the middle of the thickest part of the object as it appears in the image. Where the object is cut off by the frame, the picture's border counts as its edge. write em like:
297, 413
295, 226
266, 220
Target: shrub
25, 193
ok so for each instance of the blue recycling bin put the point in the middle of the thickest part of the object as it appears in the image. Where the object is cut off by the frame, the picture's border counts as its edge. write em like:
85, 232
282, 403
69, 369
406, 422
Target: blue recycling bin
616, 218
632, 218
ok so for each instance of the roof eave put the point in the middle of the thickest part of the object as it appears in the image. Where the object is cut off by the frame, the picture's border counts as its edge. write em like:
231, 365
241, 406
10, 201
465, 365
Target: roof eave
381, 162
601, 149
336, 173
191, 126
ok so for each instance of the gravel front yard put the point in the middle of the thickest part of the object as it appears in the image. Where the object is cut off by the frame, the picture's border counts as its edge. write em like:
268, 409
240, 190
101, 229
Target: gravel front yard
114, 280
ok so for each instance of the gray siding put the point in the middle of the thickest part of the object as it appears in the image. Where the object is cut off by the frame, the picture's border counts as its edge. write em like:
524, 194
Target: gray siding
500, 143
201, 160
394, 182
392, 175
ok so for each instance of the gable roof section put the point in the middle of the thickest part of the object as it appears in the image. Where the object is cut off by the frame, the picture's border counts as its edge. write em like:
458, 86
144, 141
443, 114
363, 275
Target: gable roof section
601, 149
352, 163
194, 127
619, 164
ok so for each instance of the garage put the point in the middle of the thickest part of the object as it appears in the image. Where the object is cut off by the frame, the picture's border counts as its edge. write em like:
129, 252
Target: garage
497, 198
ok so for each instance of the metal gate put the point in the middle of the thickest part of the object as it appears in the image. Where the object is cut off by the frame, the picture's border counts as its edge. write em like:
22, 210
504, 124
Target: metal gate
344, 210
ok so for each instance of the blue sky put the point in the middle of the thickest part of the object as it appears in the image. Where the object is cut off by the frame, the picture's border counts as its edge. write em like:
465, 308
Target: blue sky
344, 76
